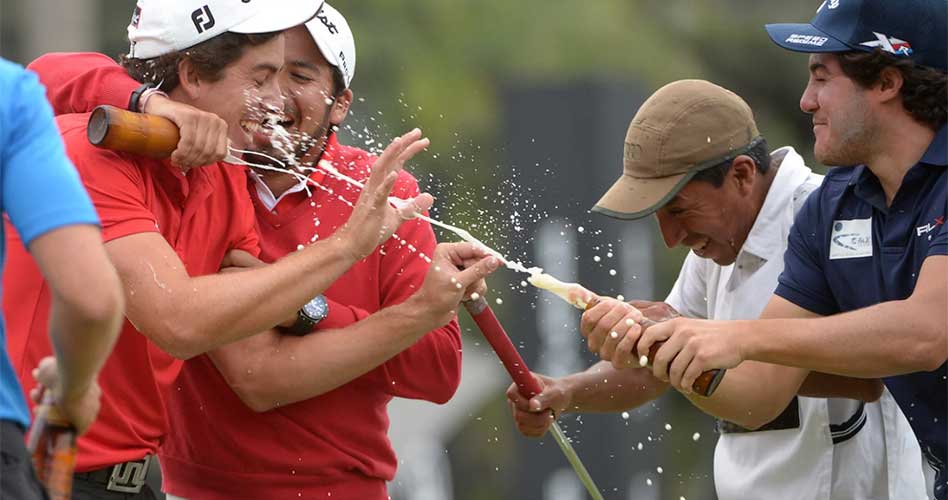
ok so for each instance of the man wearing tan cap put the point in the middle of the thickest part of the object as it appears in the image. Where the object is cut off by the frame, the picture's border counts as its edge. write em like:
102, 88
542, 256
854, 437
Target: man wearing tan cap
694, 158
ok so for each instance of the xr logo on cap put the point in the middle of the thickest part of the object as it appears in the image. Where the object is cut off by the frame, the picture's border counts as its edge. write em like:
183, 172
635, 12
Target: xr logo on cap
889, 44
203, 19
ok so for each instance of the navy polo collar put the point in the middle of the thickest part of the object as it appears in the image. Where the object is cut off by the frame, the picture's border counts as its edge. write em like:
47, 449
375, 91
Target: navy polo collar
867, 186
936, 154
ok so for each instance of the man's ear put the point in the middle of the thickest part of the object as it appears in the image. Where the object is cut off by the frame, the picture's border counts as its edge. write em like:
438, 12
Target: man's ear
743, 174
890, 84
340, 107
188, 79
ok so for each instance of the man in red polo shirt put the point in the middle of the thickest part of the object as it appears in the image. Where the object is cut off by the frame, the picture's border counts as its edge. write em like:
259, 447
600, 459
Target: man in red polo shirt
167, 232
336, 442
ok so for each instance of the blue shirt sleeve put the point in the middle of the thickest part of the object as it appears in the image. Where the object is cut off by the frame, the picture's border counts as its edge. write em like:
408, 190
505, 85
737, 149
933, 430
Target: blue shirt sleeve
803, 281
41, 190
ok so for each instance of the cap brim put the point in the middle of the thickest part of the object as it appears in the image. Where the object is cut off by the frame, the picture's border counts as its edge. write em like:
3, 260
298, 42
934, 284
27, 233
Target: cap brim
804, 38
635, 197
289, 14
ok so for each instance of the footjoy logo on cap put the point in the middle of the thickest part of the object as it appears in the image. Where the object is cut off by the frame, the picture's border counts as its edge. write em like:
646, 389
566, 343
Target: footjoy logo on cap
202, 19
889, 44
807, 39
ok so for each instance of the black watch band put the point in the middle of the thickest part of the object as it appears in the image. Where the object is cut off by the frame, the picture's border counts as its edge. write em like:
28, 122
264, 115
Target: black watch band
309, 316
304, 324
135, 98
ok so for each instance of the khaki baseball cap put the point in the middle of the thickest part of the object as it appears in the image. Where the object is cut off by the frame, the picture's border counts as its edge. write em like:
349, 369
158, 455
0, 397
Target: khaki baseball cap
683, 128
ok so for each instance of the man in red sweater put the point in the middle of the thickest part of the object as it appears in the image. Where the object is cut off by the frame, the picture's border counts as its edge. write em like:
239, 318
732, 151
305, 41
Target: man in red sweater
326, 433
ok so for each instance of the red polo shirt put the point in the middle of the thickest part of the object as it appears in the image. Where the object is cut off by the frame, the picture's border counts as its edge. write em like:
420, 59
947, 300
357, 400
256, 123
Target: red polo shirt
335, 445
201, 215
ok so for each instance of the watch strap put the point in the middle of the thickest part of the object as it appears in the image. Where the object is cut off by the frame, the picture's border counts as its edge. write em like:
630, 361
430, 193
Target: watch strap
134, 101
303, 325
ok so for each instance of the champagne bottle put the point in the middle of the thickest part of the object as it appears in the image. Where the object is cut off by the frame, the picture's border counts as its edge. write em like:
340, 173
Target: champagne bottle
52, 444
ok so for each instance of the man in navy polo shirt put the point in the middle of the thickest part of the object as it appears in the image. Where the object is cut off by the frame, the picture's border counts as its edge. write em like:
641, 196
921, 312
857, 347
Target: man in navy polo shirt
864, 292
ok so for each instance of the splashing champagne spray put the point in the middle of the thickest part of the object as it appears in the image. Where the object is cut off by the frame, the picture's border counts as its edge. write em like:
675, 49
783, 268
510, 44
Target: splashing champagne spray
155, 137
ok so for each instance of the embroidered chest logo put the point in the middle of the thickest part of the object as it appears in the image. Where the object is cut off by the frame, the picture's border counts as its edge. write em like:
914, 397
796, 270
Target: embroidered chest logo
851, 239
931, 226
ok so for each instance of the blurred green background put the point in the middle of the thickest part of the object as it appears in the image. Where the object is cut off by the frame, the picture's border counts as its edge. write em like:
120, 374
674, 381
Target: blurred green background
446, 66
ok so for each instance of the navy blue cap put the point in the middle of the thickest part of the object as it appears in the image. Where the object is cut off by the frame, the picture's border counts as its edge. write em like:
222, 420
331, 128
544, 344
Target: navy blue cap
915, 29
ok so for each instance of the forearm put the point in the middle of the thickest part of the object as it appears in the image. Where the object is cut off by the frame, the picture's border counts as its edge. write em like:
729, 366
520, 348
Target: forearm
271, 369
752, 394
824, 385
82, 342
86, 308
887, 339
188, 316
78, 82
429, 369
603, 389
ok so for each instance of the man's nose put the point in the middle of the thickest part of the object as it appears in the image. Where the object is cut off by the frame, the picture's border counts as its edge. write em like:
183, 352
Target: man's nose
672, 231
271, 95
808, 103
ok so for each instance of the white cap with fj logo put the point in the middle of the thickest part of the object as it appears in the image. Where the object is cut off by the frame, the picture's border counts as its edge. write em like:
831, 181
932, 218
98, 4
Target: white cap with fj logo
161, 27
332, 35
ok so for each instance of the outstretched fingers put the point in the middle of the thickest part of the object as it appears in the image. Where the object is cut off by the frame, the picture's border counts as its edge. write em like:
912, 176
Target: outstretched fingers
413, 207
480, 270
400, 150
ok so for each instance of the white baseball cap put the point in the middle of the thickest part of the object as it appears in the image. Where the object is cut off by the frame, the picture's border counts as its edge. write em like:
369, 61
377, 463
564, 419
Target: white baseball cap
160, 27
332, 35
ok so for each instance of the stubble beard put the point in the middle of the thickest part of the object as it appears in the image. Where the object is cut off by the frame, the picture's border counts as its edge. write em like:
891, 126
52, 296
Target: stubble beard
852, 137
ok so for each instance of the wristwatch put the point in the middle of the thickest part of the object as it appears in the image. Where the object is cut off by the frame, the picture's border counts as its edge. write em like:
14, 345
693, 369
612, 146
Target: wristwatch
309, 315
134, 104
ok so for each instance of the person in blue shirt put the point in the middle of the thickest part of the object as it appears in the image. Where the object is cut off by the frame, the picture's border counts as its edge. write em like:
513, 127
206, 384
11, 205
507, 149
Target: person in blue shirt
864, 291
48, 209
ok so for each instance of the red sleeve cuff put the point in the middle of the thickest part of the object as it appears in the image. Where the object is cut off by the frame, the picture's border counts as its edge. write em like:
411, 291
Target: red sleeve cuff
128, 227
341, 315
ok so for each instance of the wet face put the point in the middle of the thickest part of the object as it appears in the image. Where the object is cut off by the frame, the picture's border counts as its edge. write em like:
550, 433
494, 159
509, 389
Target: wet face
250, 81
712, 221
842, 114
310, 108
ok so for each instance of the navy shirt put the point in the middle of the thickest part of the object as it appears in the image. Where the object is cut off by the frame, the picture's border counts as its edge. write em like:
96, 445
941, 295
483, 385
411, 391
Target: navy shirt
847, 250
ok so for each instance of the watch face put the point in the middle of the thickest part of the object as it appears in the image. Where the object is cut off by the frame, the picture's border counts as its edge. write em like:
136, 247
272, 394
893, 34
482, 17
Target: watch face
317, 308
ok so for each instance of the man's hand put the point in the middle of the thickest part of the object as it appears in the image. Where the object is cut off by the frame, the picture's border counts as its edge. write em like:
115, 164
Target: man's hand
80, 408
373, 219
692, 346
203, 135
655, 311
457, 270
611, 329
534, 416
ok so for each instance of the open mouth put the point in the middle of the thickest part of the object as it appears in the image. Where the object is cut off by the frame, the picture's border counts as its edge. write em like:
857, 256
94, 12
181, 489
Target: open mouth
250, 126
265, 121
265, 131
